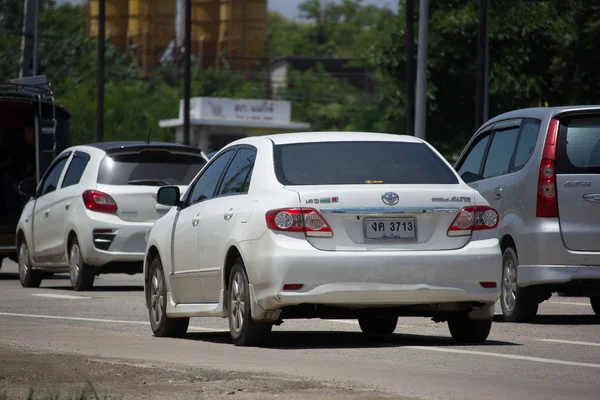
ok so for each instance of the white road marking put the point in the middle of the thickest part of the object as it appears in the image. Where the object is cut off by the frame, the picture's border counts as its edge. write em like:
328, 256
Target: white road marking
114, 321
570, 303
60, 296
343, 321
508, 356
569, 342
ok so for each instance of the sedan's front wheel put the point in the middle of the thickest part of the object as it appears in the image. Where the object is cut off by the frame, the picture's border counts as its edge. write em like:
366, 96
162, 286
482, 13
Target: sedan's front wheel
244, 330
161, 324
377, 326
465, 330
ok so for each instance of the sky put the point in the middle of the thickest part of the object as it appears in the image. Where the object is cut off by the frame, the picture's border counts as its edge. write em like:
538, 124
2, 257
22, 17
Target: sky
289, 8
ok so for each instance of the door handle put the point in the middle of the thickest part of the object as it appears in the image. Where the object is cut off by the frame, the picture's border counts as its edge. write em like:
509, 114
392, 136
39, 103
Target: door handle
498, 193
47, 212
195, 220
228, 214
67, 206
594, 198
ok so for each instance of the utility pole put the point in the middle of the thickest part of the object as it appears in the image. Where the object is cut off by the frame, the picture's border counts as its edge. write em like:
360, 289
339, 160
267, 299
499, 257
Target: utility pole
186, 71
481, 100
409, 9
421, 103
36, 17
27, 46
100, 72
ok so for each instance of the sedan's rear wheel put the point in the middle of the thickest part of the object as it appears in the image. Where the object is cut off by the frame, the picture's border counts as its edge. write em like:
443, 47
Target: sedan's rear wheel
28, 276
595, 302
465, 330
243, 329
161, 324
518, 304
378, 325
82, 275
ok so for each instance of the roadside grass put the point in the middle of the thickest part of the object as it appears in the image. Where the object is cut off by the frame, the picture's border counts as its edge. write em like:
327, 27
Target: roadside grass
87, 393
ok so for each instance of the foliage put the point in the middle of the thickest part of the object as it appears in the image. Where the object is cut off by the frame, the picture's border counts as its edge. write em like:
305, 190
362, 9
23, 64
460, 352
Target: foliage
542, 52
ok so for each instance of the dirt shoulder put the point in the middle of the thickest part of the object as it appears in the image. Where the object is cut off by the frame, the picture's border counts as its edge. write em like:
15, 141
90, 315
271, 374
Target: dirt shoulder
60, 376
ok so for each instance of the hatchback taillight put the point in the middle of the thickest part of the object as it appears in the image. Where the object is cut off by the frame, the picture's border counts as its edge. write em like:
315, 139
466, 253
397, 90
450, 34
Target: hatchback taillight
547, 203
95, 200
307, 220
474, 218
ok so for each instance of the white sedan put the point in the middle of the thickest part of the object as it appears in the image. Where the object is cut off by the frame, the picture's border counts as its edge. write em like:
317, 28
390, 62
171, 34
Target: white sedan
324, 225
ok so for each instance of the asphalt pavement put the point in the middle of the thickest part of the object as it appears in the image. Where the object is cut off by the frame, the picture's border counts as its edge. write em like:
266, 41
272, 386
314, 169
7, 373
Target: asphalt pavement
555, 357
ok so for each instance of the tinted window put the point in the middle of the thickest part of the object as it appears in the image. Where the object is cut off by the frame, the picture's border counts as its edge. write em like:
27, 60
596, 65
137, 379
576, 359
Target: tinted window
237, 177
582, 144
75, 169
500, 153
527, 142
155, 168
470, 169
207, 183
51, 180
338, 163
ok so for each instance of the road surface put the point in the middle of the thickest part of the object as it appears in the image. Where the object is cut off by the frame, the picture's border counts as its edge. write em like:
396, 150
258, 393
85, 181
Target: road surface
53, 337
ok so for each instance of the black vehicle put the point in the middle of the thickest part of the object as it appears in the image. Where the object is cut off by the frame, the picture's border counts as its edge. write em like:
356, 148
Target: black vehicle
33, 130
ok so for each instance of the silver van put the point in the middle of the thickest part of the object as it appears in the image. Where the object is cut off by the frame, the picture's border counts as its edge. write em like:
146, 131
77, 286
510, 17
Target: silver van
540, 168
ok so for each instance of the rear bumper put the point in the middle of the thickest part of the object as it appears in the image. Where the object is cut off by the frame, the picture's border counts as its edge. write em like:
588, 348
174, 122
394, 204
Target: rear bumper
369, 279
530, 275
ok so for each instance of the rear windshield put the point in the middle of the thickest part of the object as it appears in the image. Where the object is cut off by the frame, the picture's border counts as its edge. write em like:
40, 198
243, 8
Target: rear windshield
350, 163
156, 168
579, 146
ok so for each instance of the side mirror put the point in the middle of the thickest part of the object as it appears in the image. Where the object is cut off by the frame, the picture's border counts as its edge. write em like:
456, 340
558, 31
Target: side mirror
168, 196
27, 188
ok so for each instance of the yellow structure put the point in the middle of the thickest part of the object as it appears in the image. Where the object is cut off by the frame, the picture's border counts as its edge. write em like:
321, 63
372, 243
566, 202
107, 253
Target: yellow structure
151, 28
243, 32
116, 21
225, 33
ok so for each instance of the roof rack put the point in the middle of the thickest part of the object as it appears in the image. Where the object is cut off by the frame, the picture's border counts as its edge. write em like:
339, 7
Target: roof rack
33, 86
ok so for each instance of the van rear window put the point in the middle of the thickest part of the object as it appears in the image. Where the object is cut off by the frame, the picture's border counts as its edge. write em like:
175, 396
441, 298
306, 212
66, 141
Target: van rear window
352, 163
579, 146
152, 168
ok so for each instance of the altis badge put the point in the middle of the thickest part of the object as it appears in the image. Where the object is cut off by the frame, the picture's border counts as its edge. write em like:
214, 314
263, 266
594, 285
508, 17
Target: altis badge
454, 199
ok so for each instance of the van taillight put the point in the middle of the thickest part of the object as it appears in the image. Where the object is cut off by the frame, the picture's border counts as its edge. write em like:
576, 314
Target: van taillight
95, 200
547, 203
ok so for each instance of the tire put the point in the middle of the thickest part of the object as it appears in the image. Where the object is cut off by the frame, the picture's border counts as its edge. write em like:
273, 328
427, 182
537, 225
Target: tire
82, 275
378, 326
243, 329
29, 277
161, 324
595, 302
518, 304
465, 330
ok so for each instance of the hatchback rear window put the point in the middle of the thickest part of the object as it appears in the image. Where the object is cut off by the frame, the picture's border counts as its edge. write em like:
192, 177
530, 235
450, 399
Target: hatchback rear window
349, 163
579, 146
153, 168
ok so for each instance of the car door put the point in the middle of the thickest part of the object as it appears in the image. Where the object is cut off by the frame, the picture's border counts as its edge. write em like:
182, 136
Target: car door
45, 231
187, 279
230, 206
485, 166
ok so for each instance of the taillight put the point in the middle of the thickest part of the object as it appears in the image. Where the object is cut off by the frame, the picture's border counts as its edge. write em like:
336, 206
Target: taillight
473, 218
547, 204
95, 200
307, 220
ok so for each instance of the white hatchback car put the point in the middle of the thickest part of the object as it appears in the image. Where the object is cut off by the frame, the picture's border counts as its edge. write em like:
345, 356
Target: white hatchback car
94, 207
324, 225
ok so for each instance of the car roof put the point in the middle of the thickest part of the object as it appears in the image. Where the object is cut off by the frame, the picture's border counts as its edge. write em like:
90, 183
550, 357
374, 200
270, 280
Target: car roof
111, 147
539, 112
304, 137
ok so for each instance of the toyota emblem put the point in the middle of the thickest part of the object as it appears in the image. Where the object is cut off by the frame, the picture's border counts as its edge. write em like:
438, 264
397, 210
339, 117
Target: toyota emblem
390, 198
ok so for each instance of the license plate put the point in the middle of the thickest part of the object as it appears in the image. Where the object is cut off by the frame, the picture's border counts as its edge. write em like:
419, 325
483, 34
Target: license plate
391, 229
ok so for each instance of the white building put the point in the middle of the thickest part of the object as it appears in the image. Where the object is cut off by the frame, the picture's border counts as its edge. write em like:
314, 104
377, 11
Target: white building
216, 122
